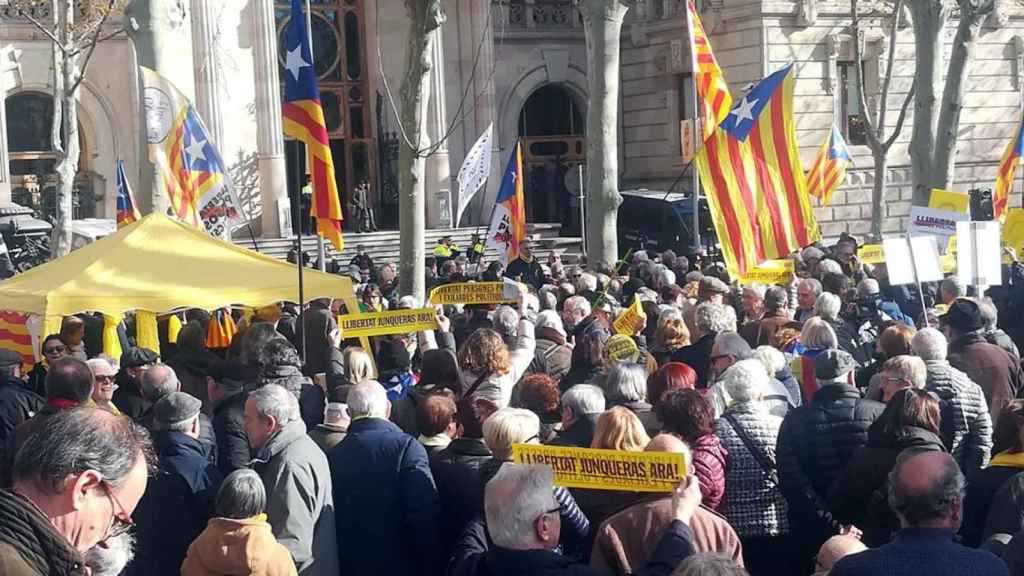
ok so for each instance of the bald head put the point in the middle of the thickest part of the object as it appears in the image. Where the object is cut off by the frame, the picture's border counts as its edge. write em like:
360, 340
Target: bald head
836, 548
666, 443
159, 381
926, 490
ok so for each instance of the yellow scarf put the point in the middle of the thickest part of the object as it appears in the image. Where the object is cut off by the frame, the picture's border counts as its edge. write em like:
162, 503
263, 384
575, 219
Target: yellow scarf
1008, 460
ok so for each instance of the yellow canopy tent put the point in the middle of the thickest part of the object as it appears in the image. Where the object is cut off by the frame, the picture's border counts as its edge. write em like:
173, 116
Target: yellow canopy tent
159, 265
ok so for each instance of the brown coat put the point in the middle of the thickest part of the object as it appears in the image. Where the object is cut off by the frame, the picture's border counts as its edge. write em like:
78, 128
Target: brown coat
626, 541
237, 548
997, 371
760, 332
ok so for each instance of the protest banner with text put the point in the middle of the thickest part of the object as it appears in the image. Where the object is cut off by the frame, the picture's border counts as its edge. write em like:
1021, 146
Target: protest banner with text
474, 293
391, 322
606, 469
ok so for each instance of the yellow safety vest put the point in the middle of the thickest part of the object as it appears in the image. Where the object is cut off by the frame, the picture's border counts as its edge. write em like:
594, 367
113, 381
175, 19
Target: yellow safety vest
442, 251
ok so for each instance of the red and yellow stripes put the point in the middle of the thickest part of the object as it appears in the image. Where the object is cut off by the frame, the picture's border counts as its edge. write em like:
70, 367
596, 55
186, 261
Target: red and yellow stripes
304, 120
14, 335
179, 182
711, 87
1004, 177
756, 189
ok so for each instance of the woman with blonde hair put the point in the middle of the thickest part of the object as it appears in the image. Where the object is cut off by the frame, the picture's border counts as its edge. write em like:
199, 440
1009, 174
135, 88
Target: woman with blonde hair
358, 367
620, 429
670, 335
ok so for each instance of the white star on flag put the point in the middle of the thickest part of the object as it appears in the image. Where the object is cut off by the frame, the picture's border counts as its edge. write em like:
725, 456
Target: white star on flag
196, 150
744, 110
294, 62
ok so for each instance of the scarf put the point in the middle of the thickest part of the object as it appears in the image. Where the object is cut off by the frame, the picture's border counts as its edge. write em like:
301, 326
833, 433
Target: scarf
1008, 460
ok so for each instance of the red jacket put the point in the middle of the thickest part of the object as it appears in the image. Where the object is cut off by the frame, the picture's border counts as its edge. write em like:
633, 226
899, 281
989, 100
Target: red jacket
709, 458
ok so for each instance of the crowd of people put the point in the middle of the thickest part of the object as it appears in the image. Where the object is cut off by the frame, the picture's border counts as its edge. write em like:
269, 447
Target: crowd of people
831, 424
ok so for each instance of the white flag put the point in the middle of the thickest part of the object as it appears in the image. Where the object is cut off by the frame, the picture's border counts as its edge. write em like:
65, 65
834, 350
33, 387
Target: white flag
474, 171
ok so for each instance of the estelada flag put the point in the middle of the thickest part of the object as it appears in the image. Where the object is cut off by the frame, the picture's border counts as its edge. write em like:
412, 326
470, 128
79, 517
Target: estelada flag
1007, 168
754, 181
221, 330
829, 170
127, 211
15, 336
304, 121
508, 219
714, 94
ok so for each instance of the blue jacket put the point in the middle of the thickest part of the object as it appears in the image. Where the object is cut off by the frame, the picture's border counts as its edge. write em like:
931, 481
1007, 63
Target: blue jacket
385, 502
917, 551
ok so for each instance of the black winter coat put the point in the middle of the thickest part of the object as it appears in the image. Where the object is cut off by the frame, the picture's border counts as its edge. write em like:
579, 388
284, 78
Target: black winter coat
580, 433
16, 406
128, 396
698, 357
528, 272
457, 474
815, 443
229, 426
1006, 516
858, 496
36, 381
982, 487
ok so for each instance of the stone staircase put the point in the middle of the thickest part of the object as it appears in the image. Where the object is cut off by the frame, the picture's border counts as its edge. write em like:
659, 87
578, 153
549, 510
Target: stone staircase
383, 246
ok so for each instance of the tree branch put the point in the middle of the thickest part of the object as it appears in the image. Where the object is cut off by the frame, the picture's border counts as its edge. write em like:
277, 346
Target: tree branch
92, 45
884, 104
49, 34
872, 126
899, 121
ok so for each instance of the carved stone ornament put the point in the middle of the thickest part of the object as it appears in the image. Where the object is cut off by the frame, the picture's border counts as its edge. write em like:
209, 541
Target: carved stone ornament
807, 13
999, 16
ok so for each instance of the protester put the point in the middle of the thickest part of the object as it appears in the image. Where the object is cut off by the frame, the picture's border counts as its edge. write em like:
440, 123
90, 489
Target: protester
835, 549
760, 331
72, 332
553, 355
709, 319
892, 342
321, 345
335, 425
280, 365
193, 361
816, 338
582, 405
52, 348
728, 349
76, 482
539, 394
128, 395
752, 502
815, 442
227, 397
626, 386
435, 418
358, 367
104, 372
807, 292
926, 491
16, 403
1007, 462
900, 373
670, 334
386, 503
295, 473
966, 424
587, 361
687, 415
490, 368
238, 541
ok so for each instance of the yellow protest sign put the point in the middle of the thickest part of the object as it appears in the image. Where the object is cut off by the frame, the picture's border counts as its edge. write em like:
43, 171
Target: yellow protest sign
472, 293
391, 322
949, 200
871, 254
631, 320
948, 263
770, 272
606, 469
1013, 230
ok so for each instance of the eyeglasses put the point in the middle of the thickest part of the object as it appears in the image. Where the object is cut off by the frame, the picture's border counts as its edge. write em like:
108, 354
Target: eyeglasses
120, 520
55, 350
105, 377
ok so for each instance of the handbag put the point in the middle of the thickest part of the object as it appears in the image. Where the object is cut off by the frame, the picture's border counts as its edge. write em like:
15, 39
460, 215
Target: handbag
763, 460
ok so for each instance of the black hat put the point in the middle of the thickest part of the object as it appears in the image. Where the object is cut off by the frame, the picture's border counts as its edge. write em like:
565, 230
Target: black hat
135, 357
833, 365
176, 407
393, 356
963, 315
9, 358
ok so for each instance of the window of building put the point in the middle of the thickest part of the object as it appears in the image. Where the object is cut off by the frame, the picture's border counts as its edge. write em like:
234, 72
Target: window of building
850, 115
684, 102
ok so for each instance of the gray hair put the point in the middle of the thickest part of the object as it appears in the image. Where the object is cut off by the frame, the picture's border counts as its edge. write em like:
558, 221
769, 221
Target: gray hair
818, 335
868, 287
666, 277
368, 399
550, 319
827, 306
755, 289
989, 313
626, 382
710, 317
950, 286
101, 360
111, 558
709, 564
74, 441
548, 298
909, 368
584, 399
506, 321
335, 412
514, 499
586, 281
578, 305
772, 358
274, 401
732, 344
828, 267
812, 252
745, 380
930, 344
159, 381
916, 508
241, 496
509, 426
812, 284
181, 426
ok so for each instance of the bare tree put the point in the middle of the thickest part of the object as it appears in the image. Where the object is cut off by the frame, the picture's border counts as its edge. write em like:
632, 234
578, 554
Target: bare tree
603, 25
75, 28
933, 144
426, 17
876, 122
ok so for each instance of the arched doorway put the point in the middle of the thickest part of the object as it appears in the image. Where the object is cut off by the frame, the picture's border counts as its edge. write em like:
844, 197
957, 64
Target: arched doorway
551, 126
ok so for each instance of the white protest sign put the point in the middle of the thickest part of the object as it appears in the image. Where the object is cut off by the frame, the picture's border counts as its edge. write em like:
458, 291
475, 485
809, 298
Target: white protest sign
902, 258
925, 250
941, 223
978, 255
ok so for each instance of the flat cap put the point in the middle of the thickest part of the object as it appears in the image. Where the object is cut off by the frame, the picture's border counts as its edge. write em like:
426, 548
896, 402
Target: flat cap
176, 407
135, 357
963, 315
833, 365
9, 358
710, 284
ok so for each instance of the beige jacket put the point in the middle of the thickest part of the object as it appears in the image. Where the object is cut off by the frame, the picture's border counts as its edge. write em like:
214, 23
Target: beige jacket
237, 548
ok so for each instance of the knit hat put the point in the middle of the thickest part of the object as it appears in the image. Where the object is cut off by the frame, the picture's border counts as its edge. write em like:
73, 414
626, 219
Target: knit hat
622, 348
393, 356
176, 407
833, 365
963, 315
135, 357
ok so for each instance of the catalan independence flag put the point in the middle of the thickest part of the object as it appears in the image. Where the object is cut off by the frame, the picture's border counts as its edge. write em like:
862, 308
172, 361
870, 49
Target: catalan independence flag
127, 211
508, 218
829, 169
751, 172
1004, 177
711, 87
15, 335
304, 121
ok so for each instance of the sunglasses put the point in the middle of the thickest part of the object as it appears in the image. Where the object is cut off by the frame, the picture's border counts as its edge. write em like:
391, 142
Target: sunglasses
55, 350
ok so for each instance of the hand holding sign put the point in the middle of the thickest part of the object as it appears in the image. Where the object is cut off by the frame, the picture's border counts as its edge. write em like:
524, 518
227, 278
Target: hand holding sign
686, 499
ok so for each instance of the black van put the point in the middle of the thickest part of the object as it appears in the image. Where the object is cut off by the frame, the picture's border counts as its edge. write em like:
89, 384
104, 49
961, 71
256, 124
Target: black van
655, 220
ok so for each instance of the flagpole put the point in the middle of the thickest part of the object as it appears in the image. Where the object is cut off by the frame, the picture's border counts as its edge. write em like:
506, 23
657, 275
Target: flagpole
321, 248
698, 132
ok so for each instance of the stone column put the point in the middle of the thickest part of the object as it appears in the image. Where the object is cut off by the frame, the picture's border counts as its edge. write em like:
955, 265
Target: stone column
208, 76
10, 78
162, 33
270, 133
438, 171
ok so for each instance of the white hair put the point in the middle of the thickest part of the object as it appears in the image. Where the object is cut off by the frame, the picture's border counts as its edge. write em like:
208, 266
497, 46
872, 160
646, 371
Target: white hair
550, 319
745, 380
710, 317
273, 401
755, 289
910, 368
813, 284
548, 297
584, 399
509, 426
586, 281
929, 344
335, 412
772, 358
829, 267
368, 399
812, 252
827, 306
514, 499
408, 303
868, 287
111, 558
506, 321
626, 382
818, 335
101, 361
577, 306
730, 319
665, 277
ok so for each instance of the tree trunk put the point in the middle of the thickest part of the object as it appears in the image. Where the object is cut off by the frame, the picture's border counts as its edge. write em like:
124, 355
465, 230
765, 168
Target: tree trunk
426, 17
944, 166
603, 25
930, 18
65, 99
878, 193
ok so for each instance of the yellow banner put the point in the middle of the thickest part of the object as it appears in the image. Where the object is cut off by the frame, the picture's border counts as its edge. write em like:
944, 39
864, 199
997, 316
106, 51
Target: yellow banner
949, 200
606, 469
1013, 230
770, 272
871, 254
632, 320
471, 293
391, 322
